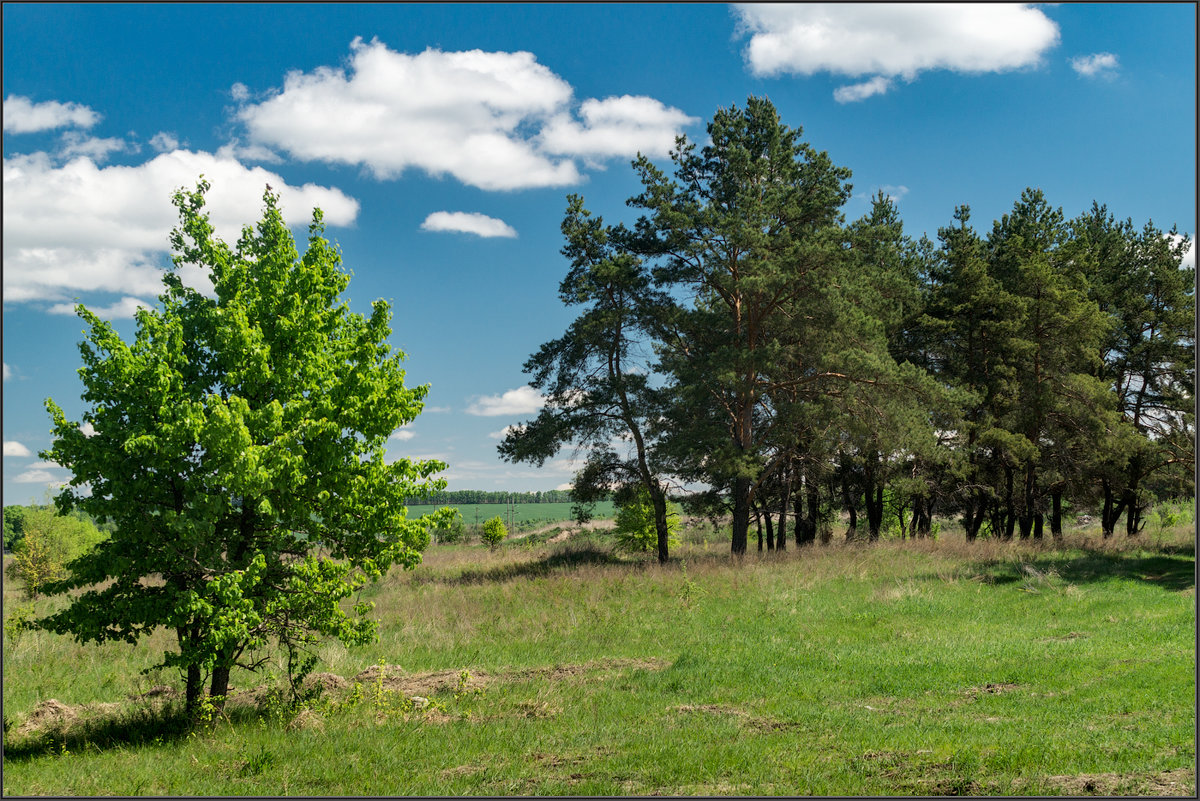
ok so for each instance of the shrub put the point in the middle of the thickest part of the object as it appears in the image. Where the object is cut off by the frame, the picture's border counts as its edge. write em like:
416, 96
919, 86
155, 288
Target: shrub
635, 524
493, 532
451, 533
48, 543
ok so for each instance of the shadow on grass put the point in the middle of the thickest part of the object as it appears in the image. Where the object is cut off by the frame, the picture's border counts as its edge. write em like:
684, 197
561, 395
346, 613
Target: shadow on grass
131, 727
563, 561
1173, 568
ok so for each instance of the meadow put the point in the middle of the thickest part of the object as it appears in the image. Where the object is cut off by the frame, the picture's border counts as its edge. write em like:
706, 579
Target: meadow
928, 667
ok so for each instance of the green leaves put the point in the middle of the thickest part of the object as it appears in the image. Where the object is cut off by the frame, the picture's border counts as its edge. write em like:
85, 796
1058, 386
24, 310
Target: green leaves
234, 434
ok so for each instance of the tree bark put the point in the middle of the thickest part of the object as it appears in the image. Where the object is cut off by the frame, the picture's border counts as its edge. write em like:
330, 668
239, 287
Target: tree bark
741, 515
219, 688
1056, 513
658, 500
785, 499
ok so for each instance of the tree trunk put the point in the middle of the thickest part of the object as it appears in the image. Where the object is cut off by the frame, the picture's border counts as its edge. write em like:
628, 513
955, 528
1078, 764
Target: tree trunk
770, 528
851, 508
1038, 519
1029, 503
192, 691
219, 687
741, 515
758, 524
781, 540
658, 500
1056, 513
974, 515
1010, 512
1111, 511
874, 512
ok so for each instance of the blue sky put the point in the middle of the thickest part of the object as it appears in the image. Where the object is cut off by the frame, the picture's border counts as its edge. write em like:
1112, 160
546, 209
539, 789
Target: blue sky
442, 140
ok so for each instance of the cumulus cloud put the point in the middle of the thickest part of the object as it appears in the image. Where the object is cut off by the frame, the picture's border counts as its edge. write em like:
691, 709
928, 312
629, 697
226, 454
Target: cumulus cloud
45, 466
502, 433
1188, 261
403, 434
522, 400
615, 126
164, 142
74, 144
1097, 65
78, 227
14, 448
22, 115
861, 91
892, 40
88, 430
122, 309
496, 121
468, 223
7, 371
35, 477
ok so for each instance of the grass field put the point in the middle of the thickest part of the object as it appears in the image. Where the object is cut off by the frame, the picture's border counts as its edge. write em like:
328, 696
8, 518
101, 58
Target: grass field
928, 667
527, 515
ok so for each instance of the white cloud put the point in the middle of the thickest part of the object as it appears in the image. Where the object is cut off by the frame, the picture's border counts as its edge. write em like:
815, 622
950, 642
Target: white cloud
435, 410
74, 143
79, 227
35, 477
14, 448
88, 430
122, 309
22, 115
164, 142
502, 433
861, 91
404, 433
565, 487
1189, 255
616, 126
234, 149
468, 223
1097, 65
7, 371
892, 40
497, 121
46, 466
522, 400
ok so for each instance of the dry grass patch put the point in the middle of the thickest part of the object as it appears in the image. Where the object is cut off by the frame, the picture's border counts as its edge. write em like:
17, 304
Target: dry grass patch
1180, 782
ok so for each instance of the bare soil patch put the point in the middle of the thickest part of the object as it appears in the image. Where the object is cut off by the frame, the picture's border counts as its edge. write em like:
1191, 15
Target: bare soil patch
1181, 782
395, 678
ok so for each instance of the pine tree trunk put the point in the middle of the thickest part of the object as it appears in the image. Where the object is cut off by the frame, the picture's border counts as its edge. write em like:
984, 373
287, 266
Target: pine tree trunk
659, 501
758, 524
781, 540
1056, 513
874, 512
1010, 513
741, 515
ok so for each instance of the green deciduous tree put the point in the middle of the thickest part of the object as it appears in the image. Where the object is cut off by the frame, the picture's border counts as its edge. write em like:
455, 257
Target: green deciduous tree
239, 455
636, 527
49, 543
493, 532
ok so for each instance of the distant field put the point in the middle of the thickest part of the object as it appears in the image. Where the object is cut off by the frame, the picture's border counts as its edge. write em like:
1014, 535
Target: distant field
528, 515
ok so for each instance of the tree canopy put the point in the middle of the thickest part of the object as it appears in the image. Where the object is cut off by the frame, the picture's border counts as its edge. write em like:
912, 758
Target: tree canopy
239, 454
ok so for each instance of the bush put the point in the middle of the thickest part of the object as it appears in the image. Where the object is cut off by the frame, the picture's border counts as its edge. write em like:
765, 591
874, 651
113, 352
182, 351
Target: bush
493, 532
452, 533
14, 526
635, 524
49, 542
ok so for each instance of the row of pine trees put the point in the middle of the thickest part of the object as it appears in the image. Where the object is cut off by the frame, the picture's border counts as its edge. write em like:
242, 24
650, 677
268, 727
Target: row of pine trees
742, 346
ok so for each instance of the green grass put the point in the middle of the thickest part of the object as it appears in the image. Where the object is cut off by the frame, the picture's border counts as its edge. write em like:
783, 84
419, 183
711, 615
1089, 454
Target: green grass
897, 668
528, 515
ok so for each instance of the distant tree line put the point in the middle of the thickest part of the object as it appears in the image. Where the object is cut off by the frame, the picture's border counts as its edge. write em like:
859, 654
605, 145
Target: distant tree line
460, 497
743, 337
